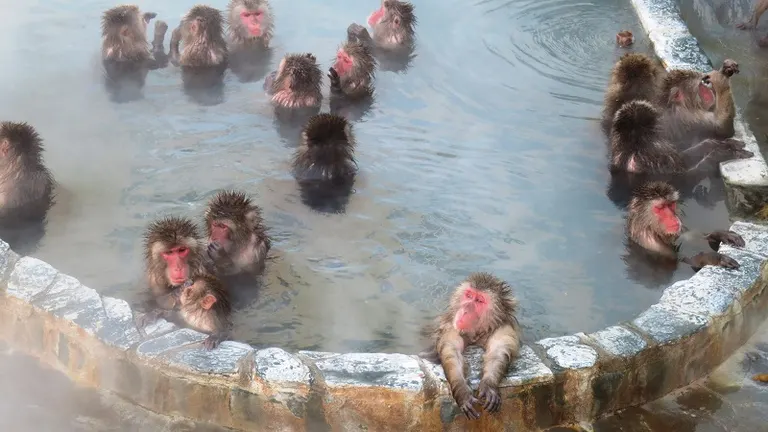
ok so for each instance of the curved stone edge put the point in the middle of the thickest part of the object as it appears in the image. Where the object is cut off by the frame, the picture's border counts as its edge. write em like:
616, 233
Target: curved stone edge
93, 339
746, 180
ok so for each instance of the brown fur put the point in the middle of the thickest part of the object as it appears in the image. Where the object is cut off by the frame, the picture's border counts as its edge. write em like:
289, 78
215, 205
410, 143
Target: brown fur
163, 235
250, 243
643, 227
124, 34
497, 332
634, 76
238, 35
215, 320
207, 47
358, 82
297, 82
327, 150
396, 28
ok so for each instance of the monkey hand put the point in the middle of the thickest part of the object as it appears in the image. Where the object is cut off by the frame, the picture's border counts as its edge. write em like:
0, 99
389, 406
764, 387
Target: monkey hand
702, 259
358, 33
213, 341
148, 16
729, 68
215, 251
491, 396
148, 319
745, 25
335, 79
466, 404
719, 81
728, 237
161, 27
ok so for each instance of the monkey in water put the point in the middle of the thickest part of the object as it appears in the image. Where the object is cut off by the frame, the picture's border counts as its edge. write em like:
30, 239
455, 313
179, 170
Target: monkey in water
351, 78
250, 23
698, 106
201, 36
634, 76
481, 312
392, 24
324, 164
625, 38
173, 254
202, 304
237, 238
26, 185
760, 7
654, 225
296, 82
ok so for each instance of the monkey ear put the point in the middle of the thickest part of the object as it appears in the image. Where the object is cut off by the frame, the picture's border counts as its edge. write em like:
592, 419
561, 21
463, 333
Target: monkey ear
676, 95
208, 301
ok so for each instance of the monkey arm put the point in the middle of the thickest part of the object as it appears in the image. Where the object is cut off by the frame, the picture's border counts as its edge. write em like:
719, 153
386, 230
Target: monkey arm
701, 259
725, 110
728, 237
502, 345
450, 348
760, 8
158, 58
174, 48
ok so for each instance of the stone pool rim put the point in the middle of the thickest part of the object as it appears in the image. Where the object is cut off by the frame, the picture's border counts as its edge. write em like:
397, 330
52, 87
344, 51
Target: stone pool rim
696, 325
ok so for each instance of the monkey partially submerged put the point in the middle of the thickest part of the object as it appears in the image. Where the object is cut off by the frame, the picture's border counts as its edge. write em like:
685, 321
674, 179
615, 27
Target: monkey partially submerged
624, 38
324, 164
481, 312
393, 39
249, 34
201, 36
296, 83
634, 76
237, 238
202, 304
26, 185
654, 225
126, 55
351, 78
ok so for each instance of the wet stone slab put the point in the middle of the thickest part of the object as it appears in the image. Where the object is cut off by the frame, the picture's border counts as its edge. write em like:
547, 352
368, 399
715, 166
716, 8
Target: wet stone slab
397, 371
278, 366
119, 328
619, 341
755, 238
223, 360
567, 352
7, 258
30, 277
666, 324
171, 341
69, 299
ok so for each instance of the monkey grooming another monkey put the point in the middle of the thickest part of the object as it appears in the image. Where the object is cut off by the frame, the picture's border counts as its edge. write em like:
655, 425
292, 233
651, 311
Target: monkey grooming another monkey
250, 23
237, 239
760, 7
324, 164
201, 304
481, 312
634, 76
654, 225
624, 38
201, 37
173, 254
296, 83
698, 106
26, 185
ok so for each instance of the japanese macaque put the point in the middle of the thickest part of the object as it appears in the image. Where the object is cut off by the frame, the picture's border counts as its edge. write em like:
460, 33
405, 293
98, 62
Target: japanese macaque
624, 38
237, 238
296, 83
393, 25
126, 55
173, 254
654, 225
698, 106
324, 164
351, 75
481, 312
634, 76
201, 37
638, 146
26, 185
250, 23
201, 304
760, 7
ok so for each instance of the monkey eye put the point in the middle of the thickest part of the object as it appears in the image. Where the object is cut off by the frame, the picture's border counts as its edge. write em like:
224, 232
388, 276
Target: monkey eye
468, 295
182, 250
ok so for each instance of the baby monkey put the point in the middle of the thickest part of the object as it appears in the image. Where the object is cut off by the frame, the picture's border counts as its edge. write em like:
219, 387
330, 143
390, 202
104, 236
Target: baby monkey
653, 224
625, 38
201, 304
481, 312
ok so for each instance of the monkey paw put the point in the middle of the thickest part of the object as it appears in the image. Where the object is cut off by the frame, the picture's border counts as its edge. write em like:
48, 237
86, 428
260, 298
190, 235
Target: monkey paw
702, 259
212, 342
160, 27
468, 409
491, 396
334, 76
728, 237
730, 67
214, 251
146, 320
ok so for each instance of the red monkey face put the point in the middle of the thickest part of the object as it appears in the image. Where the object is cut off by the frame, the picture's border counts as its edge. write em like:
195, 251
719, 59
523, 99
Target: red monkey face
665, 212
176, 260
343, 63
221, 234
474, 306
252, 21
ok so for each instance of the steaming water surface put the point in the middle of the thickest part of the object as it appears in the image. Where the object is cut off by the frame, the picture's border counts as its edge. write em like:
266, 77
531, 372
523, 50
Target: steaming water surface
484, 155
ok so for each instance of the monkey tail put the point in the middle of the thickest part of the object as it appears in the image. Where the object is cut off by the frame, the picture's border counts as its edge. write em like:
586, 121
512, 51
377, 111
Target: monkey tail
634, 123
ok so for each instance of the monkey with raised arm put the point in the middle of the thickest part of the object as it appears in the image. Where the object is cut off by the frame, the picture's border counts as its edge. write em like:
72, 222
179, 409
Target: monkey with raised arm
654, 225
481, 312
201, 37
760, 7
237, 238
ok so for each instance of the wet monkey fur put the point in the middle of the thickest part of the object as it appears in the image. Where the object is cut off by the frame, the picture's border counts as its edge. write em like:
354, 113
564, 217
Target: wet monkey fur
653, 224
124, 37
237, 238
634, 76
481, 312
198, 41
296, 83
624, 38
352, 72
250, 23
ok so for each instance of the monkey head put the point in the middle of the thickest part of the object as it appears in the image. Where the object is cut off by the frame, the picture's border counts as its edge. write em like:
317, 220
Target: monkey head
124, 33
251, 18
482, 302
172, 246
656, 204
354, 58
231, 219
394, 21
204, 22
201, 292
625, 38
688, 89
297, 82
17, 141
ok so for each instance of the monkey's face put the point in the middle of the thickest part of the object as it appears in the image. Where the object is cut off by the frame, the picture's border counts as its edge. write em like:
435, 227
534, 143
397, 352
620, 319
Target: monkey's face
473, 307
665, 214
344, 62
625, 38
221, 233
177, 267
252, 20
